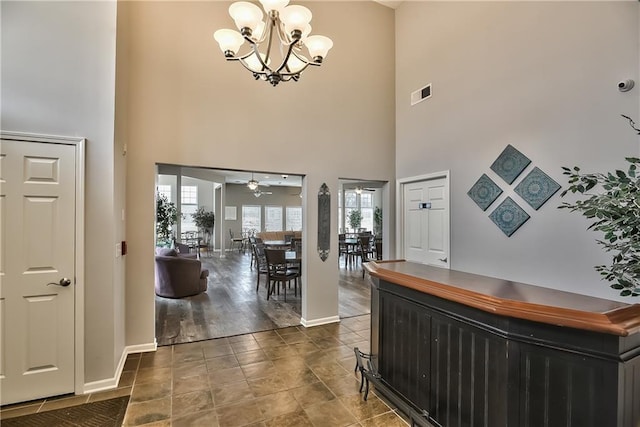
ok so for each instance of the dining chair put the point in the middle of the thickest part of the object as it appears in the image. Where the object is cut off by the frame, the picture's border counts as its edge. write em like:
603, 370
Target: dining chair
234, 240
279, 272
262, 266
364, 251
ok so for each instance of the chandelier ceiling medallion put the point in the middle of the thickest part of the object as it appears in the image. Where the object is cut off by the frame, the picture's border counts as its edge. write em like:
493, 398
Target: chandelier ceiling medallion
286, 29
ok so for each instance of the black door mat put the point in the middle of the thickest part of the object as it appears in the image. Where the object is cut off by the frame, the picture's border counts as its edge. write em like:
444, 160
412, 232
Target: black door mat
105, 413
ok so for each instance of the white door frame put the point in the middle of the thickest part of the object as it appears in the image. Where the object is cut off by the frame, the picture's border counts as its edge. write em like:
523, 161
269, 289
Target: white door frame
79, 144
400, 183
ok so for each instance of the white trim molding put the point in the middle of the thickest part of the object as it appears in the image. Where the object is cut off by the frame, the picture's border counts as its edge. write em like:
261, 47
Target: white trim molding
400, 183
79, 143
321, 321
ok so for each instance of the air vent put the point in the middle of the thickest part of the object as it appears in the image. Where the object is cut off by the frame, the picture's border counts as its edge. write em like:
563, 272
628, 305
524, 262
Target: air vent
421, 94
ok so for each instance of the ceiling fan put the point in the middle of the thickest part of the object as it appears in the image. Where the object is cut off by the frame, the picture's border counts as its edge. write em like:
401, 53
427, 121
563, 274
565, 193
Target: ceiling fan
358, 189
257, 192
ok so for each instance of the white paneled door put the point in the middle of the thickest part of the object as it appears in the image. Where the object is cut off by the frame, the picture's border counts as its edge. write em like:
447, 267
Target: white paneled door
426, 221
37, 268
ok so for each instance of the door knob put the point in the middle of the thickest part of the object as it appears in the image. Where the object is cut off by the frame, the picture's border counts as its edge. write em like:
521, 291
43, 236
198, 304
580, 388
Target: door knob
64, 282
443, 259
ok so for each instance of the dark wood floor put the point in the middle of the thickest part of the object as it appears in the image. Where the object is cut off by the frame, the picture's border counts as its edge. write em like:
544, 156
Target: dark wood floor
231, 305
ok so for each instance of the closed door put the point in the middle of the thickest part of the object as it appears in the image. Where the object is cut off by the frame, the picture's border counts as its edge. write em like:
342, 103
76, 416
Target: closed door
37, 318
426, 222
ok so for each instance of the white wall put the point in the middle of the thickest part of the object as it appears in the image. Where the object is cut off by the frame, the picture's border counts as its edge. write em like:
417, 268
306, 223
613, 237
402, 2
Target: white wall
58, 77
541, 76
188, 106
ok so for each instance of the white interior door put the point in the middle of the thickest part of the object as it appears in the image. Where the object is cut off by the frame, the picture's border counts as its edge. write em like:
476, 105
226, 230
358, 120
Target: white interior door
426, 221
37, 318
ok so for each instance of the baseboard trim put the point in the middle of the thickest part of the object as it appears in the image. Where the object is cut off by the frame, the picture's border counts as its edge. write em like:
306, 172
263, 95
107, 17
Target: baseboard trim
112, 383
317, 322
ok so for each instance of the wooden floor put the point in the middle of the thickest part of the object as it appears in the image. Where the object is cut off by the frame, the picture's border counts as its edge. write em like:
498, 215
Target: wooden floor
231, 305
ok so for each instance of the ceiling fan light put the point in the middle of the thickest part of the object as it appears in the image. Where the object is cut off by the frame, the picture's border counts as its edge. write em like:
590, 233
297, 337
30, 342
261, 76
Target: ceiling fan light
252, 184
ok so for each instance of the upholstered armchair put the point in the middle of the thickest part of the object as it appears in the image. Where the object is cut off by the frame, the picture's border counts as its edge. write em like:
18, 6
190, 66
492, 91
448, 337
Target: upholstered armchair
178, 276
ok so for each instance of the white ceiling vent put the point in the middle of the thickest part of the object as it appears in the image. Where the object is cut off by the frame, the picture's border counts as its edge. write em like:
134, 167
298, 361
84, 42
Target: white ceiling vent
421, 94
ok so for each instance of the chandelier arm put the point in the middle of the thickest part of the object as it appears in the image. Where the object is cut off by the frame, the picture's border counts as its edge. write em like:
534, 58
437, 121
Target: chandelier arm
286, 59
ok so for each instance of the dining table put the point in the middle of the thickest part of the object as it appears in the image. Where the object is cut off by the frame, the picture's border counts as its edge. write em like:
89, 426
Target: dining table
275, 244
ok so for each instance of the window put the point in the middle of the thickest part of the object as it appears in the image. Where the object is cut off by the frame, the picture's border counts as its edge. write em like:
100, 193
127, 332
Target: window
189, 200
165, 190
294, 218
272, 218
251, 217
366, 207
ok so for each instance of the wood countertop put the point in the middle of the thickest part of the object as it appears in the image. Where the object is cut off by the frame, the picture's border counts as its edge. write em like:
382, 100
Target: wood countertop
513, 299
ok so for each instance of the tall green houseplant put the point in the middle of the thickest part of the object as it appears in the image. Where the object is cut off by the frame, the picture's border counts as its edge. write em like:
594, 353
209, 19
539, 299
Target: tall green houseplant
204, 220
355, 219
166, 216
615, 211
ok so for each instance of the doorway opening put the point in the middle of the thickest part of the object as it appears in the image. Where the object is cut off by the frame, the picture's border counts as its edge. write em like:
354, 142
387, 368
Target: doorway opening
232, 298
360, 238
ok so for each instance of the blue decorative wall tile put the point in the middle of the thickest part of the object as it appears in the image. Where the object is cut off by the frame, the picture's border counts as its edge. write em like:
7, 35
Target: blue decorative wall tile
509, 164
536, 188
484, 192
508, 216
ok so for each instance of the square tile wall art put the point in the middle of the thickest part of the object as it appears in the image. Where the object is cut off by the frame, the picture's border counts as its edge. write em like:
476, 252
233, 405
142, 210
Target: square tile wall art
484, 192
509, 216
536, 188
509, 164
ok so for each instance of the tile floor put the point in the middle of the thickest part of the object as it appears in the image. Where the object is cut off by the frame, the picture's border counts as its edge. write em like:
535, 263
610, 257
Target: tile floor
294, 376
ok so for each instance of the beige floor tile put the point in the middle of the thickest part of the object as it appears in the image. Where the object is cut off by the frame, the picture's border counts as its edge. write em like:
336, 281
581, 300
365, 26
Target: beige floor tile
330, 414
388, 419
312, 394
343, 386
221, 362
244, 346
191, 369
185, 385
158, 361
279, 352
328, 370
239, 415
268, 385
188, 403
225, 376
153, 375
199, 419
250, 357
150, 391
362, 409
230, 394
110, 394
298, 418
217, 350
147, 412
18, 411
277, 404
259, 370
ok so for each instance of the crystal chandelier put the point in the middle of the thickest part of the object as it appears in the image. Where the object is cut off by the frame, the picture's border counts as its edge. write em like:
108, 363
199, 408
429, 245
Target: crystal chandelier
286, 27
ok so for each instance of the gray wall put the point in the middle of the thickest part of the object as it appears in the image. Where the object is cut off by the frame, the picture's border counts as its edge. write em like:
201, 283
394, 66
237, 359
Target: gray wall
541, 76
58, 77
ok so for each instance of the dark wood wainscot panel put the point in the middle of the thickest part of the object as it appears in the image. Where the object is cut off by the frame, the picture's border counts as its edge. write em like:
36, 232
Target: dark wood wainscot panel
504, 356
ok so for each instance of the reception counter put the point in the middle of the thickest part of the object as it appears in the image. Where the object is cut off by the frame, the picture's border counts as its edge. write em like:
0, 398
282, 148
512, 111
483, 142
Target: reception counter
459, 349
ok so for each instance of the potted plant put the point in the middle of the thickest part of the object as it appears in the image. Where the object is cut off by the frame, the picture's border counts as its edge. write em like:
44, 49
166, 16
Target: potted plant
377, 221
355, 219
204, 220
616, 213
166, 216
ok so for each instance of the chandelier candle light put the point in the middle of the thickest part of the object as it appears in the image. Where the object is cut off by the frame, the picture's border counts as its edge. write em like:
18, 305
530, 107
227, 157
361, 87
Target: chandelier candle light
290, 23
